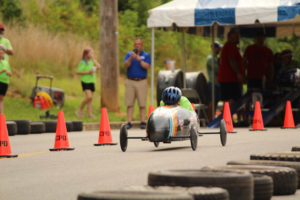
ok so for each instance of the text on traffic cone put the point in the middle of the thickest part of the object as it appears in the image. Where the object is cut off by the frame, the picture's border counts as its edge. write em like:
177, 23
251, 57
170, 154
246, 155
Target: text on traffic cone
104, 131
5, 150
61, 138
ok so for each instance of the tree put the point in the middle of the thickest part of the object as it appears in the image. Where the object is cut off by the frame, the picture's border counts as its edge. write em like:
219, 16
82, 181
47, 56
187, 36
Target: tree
109, 55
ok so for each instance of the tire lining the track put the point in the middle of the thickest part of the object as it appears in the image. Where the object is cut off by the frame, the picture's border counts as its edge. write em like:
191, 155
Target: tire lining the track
37, 127
77, 125
239, 184
134, 195
285, 180
23, 126
291, 156
198, 193
12, 128
293, 165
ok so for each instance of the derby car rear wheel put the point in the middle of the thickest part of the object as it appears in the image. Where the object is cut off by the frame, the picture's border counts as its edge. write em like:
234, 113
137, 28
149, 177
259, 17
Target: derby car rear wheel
223, 132
156, 144
193, 138
123, 138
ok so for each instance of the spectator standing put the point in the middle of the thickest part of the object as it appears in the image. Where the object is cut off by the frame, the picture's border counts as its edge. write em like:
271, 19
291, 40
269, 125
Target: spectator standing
231, 70
137, 62
5, 43
87, 70
216, 48
5, 73
258, 62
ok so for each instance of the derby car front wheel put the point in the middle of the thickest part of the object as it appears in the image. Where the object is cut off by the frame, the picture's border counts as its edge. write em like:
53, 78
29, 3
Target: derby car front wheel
156, 144
193, 138
223, 133
123, 138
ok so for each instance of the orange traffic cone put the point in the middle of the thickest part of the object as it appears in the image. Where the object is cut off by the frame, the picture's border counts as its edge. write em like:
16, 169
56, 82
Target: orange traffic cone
288, 117
258, 124
61, 138
193, 105
104, 132
227, 118
150, 110
5, 150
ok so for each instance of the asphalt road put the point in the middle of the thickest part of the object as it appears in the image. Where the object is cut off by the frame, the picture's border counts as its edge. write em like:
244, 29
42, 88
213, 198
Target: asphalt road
39, 174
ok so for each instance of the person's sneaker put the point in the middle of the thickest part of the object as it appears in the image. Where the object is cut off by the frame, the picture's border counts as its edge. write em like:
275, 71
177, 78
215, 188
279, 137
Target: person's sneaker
129, 125
143, 125
79, 113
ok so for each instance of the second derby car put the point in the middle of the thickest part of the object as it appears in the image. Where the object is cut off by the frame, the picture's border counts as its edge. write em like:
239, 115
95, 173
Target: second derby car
171, 123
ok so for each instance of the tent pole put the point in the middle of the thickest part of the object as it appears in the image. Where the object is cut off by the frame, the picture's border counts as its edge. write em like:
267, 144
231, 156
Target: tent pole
213, 72
183, 57
152, 66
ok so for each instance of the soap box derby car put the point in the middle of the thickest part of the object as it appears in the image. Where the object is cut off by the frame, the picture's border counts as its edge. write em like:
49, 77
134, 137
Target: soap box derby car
172, 123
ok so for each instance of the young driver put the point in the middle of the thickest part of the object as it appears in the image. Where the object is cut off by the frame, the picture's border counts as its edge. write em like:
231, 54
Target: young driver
172, 96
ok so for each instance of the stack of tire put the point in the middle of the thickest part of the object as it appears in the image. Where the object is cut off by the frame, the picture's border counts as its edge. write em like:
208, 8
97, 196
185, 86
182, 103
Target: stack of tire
198, 82
167, 78
24, 127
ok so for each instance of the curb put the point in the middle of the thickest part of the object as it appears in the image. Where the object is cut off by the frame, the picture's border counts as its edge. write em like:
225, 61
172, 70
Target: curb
93, 126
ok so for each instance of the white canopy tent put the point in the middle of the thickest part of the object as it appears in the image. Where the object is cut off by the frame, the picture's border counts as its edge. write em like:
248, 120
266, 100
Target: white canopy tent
283, 14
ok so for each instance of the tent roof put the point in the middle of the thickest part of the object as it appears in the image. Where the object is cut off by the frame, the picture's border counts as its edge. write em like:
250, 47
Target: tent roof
193, 13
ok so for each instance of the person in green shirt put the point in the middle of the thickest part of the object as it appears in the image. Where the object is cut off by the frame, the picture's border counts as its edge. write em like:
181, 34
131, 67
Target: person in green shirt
87, 70
5, 73
5, 43
172, 96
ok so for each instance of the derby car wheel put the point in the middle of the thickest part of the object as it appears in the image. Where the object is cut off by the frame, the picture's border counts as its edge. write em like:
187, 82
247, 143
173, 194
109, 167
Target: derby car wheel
223, 133
156, 144
193, 138
123, 137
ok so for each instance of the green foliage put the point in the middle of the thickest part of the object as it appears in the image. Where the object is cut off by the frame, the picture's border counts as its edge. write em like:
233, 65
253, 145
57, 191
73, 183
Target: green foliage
10, 10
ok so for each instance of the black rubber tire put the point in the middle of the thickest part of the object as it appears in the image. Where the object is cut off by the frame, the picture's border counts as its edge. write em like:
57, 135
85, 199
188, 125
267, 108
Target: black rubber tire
156, 144
297, 148
23, 127
194, 138
50, 126
12, 128
69, 126
294, 165
197, 81
198, 193
166, 78
134, 195
263, 187
37, 127
239, 184
284, 179
292, 156
263, 184
123, 137
223, 132
77, 125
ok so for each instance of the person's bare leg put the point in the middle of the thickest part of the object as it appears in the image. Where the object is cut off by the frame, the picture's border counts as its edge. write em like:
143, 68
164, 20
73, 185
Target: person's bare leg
143, 114
84, 102
89, 95
1, 104
129, 113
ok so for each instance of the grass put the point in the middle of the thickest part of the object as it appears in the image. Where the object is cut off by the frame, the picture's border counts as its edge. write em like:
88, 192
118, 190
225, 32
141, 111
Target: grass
18, 107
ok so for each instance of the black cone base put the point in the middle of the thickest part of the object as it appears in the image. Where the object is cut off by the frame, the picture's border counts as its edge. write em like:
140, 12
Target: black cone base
105, 144
62, 149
